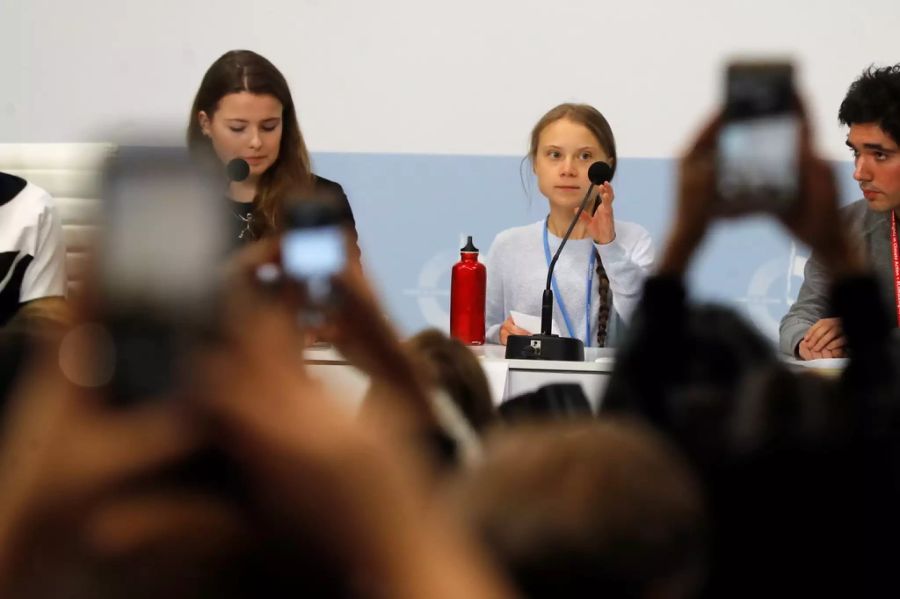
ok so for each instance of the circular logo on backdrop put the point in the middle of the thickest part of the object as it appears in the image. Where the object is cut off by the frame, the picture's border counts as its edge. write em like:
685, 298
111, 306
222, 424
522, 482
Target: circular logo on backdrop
772, 290
433, 287
433, 291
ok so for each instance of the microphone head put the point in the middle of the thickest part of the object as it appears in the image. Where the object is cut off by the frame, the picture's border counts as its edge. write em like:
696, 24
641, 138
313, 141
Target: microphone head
238, 170
599, 173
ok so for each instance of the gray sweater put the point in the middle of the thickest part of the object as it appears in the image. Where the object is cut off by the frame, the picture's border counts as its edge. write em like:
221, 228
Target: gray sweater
517, 273
872, 231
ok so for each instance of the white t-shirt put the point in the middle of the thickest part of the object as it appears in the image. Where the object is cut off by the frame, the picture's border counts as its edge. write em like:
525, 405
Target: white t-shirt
32, 253
517, 274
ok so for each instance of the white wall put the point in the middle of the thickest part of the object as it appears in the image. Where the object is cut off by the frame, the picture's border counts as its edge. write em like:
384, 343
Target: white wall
417, 76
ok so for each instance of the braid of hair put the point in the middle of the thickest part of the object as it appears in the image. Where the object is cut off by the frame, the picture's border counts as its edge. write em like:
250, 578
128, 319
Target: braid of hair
605, 303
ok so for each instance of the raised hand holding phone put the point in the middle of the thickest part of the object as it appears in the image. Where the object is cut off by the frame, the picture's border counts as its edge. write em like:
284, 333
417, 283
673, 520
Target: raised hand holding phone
716, 179
759, 140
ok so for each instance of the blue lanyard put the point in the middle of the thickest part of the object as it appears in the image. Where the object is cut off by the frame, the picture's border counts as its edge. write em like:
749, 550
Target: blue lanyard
559, 297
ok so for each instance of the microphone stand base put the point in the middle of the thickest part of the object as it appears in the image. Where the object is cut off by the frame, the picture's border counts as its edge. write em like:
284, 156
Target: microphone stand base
544, 347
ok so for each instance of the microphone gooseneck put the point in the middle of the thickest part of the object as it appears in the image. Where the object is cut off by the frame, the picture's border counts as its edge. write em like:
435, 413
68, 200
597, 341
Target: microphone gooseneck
546, 345
598, 174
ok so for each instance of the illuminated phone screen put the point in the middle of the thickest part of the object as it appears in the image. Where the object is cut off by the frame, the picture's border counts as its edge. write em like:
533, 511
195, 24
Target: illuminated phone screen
316, 252
758, 146
758, 159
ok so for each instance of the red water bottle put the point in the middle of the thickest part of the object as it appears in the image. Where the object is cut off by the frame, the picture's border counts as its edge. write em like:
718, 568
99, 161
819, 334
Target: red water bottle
467, 292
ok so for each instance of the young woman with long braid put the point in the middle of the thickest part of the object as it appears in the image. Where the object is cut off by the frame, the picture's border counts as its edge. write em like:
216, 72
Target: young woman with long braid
600, 273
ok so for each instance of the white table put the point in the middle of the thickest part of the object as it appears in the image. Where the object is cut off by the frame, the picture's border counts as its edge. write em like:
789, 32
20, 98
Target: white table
507, 378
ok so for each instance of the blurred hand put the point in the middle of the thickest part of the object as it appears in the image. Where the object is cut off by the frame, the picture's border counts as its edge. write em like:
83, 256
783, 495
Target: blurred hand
313, 465
815, 218
357, 323
400, 392
252, 277
346, 486
509, 328
354, 323
262, 399
695, 204
63, 450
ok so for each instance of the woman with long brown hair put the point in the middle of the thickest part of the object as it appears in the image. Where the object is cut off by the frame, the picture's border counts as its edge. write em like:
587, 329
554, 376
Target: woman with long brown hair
600, 274
244, 109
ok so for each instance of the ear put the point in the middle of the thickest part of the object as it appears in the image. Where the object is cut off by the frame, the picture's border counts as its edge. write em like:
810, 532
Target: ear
203, 119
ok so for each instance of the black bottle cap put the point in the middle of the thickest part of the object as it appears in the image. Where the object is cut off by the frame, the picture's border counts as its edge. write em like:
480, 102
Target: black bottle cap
470, 247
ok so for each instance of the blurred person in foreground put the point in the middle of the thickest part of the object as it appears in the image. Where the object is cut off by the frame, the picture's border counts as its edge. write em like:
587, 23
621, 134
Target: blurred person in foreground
456, 372
32, 253
98, 502
588, 509
32, 273
871, 109
801, 473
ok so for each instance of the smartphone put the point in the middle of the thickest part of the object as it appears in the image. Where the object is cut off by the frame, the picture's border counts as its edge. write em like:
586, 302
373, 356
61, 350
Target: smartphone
162, 247
757, 156
313, 250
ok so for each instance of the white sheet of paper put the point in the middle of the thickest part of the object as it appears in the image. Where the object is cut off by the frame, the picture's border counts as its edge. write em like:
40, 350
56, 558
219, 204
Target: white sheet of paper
822, 363
531, 323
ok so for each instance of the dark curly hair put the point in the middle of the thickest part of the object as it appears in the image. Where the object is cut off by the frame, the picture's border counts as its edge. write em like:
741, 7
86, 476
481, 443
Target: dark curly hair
874, 98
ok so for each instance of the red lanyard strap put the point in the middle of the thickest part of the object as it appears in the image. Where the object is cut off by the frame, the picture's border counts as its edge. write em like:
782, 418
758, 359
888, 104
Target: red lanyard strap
895, 250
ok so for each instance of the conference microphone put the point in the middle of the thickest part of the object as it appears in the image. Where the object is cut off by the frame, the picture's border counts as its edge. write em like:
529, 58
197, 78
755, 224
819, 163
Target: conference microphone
601, 175
546, 345
237, 170
598, 174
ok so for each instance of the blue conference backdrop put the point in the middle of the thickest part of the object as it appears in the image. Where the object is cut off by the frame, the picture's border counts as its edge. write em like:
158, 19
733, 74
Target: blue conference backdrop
412, 212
